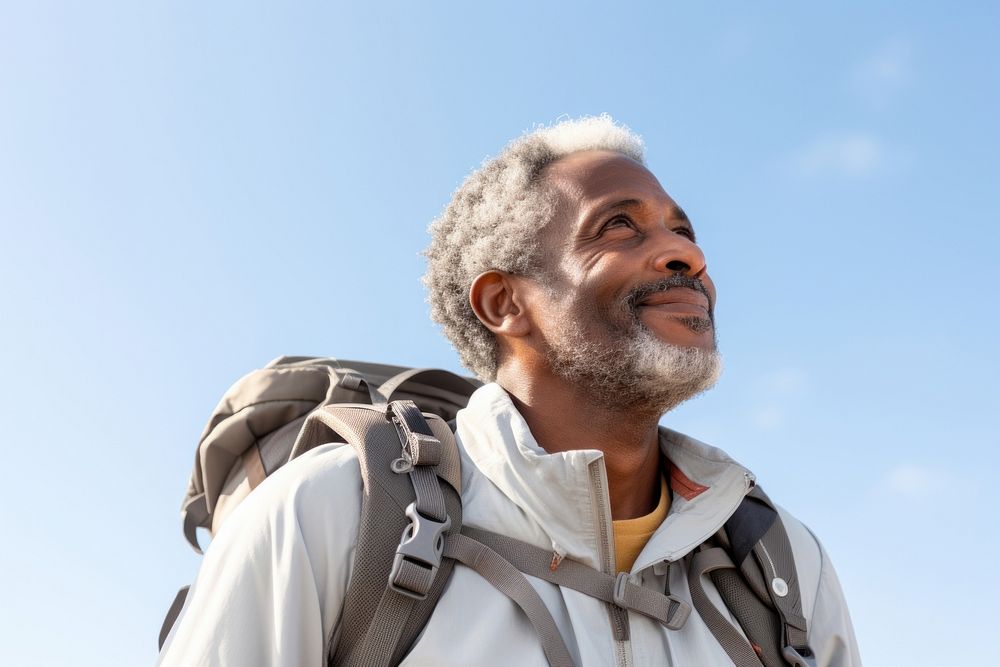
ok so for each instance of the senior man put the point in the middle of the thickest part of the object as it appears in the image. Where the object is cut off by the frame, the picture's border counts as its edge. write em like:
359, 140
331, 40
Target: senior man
571, 282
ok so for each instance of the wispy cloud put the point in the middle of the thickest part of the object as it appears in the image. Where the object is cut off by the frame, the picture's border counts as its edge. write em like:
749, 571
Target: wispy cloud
768, 417
910, 480
784, 381
878, 78
849, 154
776, 390
885, 72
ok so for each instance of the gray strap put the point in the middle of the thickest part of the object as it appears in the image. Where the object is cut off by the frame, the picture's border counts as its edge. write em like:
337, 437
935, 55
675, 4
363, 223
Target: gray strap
396, 580
773, 565
423, 451
419, 444
754, 615
432, 376
356, 381
735, 644
430, 501
509, 581
774, 555
619, 590
383, 633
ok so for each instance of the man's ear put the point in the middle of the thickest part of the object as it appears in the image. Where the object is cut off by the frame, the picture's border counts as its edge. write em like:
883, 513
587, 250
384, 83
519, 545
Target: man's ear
498, 303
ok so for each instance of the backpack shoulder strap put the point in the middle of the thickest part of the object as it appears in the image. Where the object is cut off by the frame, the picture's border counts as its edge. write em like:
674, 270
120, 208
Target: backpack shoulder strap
754, 571
774, 559
410, 471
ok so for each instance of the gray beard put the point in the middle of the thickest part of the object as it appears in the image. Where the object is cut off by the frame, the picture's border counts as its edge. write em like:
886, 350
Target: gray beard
642, 373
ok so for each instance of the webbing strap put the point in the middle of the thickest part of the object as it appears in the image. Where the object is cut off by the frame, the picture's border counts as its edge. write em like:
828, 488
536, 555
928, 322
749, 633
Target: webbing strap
420, 445
774, 556
384, 631
618, 590
396, 543
423, 452
736, 646
754, 615
430, 500
357, 382
764, 594
508, 580
432, 376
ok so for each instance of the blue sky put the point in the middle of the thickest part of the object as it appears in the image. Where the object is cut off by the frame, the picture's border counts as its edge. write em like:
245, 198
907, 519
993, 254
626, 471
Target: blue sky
188, 190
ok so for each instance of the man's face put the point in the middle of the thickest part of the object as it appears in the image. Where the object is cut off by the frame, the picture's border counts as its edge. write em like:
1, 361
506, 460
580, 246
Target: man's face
629, 309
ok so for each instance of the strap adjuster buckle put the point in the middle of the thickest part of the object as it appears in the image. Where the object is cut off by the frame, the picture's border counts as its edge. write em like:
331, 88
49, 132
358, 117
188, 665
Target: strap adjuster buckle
618, 592
418, 555
673, 615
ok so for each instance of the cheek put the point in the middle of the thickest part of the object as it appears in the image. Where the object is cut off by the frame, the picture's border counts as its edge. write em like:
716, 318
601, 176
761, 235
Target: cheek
593, 294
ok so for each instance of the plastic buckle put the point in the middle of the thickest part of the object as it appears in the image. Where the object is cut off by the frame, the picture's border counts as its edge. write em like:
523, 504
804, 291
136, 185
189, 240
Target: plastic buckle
679, 613
422, 544
796, 658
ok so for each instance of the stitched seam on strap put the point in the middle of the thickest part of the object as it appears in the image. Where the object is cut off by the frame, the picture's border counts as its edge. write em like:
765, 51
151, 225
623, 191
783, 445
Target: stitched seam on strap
774, 570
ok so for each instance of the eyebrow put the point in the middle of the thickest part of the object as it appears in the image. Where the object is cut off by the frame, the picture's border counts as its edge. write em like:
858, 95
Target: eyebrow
676, 212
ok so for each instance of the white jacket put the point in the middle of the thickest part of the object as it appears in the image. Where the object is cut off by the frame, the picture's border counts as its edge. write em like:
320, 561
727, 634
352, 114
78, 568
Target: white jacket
273, 581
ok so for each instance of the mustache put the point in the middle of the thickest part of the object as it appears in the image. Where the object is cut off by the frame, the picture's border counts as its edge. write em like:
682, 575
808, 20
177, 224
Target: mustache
646, 290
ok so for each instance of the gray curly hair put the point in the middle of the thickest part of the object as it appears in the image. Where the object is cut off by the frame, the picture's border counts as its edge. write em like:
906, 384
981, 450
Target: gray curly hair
493, 221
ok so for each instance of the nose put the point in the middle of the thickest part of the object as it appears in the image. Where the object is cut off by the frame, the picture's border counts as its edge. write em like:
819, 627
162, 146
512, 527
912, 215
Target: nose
675, 253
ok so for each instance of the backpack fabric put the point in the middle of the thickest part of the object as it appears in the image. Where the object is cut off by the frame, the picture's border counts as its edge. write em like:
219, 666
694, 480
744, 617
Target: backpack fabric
261, 423
253, 430
412, 484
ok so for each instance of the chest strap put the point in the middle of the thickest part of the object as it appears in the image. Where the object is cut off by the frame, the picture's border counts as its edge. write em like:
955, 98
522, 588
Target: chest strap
506, 579
619, 590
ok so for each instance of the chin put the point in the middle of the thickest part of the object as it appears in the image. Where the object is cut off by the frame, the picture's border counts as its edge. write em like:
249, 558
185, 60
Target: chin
639, 370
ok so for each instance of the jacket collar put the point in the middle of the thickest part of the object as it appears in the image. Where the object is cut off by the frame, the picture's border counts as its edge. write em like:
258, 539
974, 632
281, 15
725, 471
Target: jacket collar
556, 494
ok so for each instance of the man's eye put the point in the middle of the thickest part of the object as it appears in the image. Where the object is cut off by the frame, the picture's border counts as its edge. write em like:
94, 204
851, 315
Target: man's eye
619, 221
686, 232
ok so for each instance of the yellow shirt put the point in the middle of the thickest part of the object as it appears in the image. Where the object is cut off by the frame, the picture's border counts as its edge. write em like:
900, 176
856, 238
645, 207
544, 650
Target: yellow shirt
631, 535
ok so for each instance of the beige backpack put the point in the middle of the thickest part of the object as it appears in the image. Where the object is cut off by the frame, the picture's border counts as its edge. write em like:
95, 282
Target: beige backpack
254, 430
411, 532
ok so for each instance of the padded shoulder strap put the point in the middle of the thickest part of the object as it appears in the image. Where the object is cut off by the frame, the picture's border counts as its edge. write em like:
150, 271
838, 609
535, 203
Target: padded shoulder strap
774, 558
381, 618
754, 572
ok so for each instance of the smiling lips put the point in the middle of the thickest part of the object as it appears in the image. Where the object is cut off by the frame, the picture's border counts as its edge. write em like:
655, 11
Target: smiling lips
677, 300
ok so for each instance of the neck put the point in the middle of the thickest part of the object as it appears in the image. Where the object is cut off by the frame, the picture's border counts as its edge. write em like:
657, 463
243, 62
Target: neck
563, 417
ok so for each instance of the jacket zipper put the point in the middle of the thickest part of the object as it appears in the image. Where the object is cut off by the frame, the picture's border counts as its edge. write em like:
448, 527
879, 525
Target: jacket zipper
605, 545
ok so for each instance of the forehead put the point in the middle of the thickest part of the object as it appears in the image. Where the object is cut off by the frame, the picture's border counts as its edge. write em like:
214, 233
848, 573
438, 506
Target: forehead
589, 180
